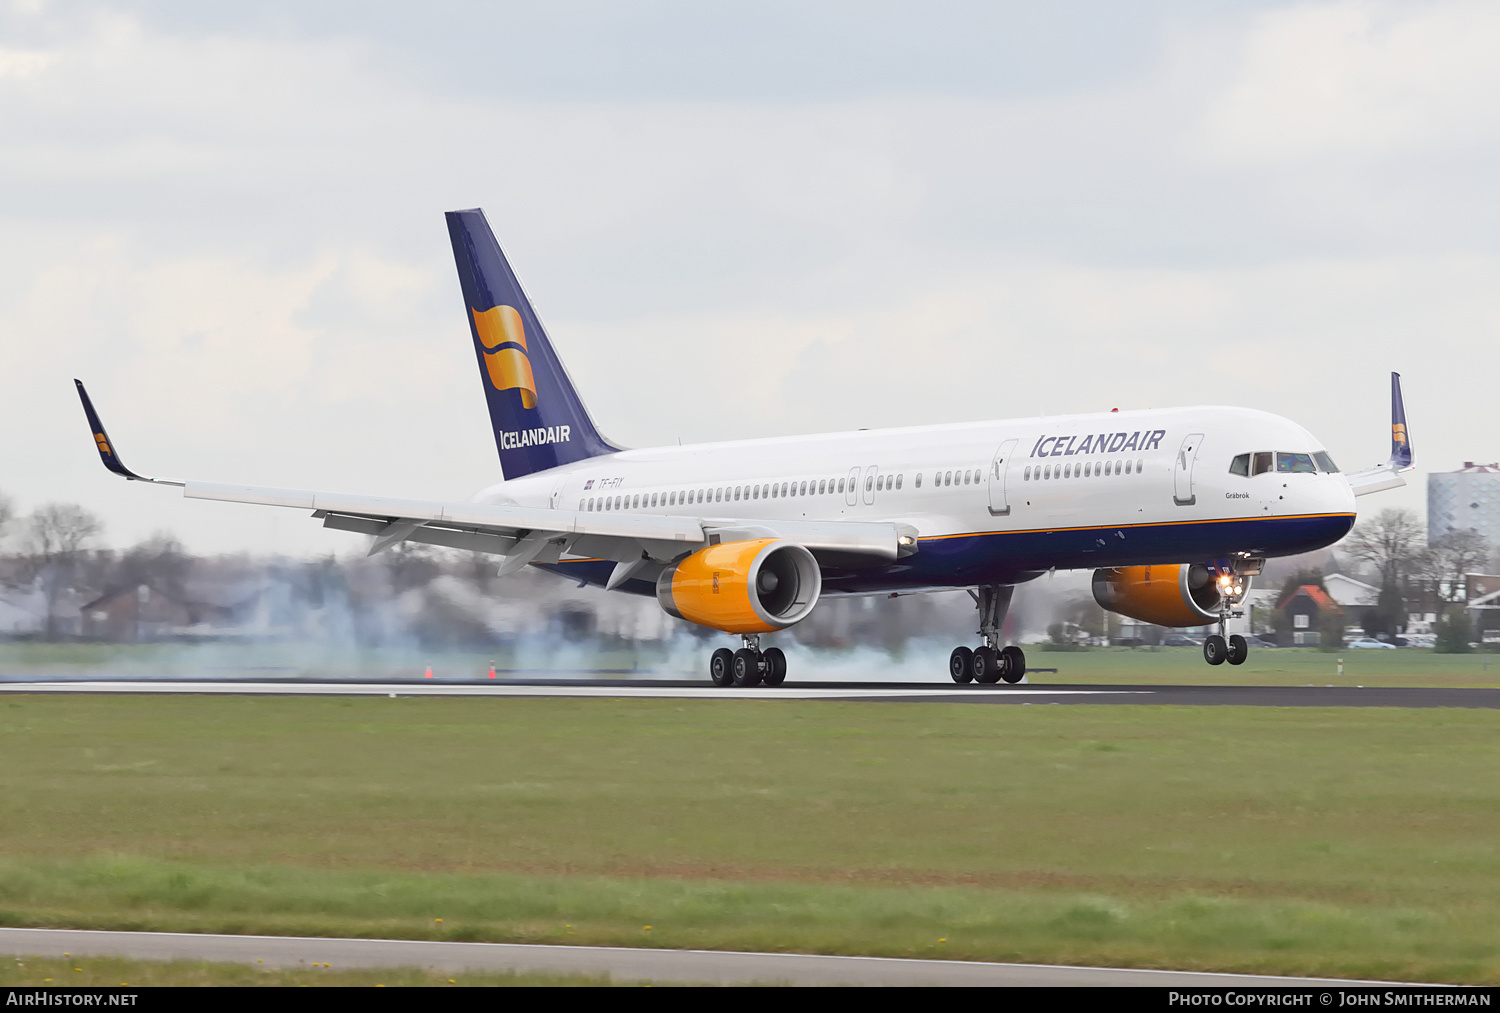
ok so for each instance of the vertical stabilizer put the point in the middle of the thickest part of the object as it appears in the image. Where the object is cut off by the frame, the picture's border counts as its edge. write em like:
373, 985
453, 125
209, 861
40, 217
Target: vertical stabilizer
538, 418
1401, 455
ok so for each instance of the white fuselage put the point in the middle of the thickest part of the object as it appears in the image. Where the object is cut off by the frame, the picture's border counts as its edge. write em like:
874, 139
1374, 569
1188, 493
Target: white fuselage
1009, 498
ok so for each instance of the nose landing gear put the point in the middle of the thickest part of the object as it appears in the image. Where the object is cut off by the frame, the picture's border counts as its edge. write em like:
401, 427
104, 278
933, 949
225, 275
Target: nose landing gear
749, 666
1224, 646
989, 663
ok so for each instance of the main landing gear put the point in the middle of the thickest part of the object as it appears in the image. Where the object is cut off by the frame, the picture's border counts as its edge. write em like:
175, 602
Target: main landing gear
989, 664
749, 666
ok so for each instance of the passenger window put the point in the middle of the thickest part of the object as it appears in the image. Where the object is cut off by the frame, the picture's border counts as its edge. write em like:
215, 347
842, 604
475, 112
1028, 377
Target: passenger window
1240, 466
1048, 472
869, 483
1294, 464
919, 480
821, 490
841, 485
1325, 463
898, 480
1127, 467
1261, 462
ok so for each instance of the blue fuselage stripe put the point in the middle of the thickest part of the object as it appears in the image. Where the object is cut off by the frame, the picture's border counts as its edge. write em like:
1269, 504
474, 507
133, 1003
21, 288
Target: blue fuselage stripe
1009, 557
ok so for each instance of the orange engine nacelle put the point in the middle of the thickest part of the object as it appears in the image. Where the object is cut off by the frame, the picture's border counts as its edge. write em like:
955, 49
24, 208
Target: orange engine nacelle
753, 586
1179, 594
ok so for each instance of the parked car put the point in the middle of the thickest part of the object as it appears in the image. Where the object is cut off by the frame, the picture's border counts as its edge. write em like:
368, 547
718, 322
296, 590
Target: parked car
1372, 643
1180, 640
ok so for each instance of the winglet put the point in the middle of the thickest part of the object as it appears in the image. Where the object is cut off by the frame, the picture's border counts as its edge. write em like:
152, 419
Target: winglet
105, 445
1401, 455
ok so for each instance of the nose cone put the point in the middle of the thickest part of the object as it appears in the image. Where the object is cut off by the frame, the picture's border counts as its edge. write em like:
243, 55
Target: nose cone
1326, 503
1332, 494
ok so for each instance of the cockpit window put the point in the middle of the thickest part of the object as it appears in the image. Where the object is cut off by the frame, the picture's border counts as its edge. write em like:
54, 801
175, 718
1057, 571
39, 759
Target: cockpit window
1294, 463
1325, 463
1263, 461
1240, 465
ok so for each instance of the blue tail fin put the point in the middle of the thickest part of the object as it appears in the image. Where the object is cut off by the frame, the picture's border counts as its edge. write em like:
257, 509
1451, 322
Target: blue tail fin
1401, 453
538, 418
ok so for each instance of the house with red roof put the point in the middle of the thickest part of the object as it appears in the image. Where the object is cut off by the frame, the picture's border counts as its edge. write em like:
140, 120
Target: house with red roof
1308, 610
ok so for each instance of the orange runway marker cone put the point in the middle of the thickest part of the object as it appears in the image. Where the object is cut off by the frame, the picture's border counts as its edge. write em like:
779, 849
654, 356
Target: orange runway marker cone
429, 673
492, 670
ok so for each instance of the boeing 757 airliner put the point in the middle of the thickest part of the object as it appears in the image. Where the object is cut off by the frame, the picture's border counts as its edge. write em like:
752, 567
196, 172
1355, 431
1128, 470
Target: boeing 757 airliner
1175, 510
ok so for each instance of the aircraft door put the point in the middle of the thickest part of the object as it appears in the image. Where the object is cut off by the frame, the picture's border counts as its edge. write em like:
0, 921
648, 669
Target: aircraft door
999, 503
851, 494
870, 474
1182, 471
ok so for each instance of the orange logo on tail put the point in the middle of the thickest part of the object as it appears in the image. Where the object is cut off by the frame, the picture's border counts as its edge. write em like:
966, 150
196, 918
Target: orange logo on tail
1398, 432
103, 444
504, 339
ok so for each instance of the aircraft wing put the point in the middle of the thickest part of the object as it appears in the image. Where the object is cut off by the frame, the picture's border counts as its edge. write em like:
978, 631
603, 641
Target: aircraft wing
529, 534
1388, 475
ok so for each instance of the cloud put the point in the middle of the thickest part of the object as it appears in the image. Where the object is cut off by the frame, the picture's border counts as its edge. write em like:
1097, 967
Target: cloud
233, 234
1360, 79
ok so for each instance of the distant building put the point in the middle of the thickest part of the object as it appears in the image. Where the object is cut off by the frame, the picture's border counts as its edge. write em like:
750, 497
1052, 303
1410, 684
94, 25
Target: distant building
142, 613
1350, 592
1463, 499
1305, 610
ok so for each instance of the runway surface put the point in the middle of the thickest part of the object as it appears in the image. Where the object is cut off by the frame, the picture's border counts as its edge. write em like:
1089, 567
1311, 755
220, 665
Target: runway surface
910, 692
620, 963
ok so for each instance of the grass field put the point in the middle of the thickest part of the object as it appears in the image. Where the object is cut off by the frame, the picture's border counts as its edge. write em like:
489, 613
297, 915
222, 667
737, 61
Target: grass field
110, 972
1357, 842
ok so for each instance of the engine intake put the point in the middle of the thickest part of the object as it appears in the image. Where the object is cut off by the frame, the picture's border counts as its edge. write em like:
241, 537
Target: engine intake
1179, 594
752, 586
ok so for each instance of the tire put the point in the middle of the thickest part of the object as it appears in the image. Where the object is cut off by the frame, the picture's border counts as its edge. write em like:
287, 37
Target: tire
746, 667
721, 667
1239, 650
775, 673
1012, 664
985, 664
961, 664
1215, 650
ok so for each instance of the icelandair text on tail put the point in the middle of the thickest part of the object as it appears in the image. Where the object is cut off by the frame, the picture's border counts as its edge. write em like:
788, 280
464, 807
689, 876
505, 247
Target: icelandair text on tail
515, 440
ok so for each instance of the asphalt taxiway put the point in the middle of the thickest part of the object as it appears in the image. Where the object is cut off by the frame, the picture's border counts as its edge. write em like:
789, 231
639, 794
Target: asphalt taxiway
890, 692
619, 962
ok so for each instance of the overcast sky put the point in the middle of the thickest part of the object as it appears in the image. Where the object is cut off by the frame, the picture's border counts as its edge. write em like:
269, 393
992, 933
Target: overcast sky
736, 220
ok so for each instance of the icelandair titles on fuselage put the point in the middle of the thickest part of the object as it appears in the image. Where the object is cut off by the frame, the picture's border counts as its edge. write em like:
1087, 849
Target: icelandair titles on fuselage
535, 437
1104, 443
